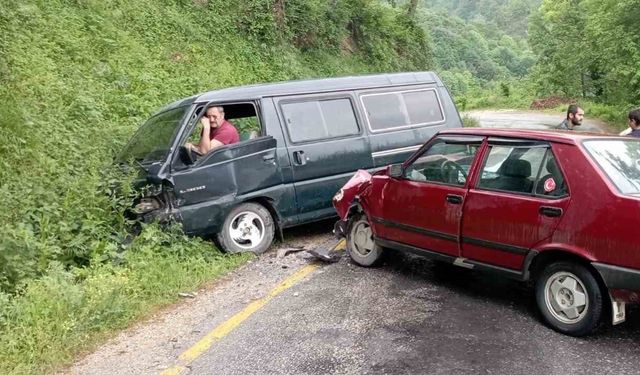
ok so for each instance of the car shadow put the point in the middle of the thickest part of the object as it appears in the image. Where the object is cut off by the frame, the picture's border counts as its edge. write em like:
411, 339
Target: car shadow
496, 289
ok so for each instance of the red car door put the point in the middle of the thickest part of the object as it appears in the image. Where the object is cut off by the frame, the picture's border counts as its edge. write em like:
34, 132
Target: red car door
423, 208
517, 202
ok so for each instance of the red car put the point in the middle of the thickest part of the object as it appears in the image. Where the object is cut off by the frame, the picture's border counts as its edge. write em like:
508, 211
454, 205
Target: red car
559, 208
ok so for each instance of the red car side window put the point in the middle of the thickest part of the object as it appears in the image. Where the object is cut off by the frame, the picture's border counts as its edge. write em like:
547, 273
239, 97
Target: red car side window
446, 163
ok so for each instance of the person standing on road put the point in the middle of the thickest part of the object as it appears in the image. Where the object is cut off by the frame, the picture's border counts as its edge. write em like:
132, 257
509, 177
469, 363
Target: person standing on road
575, 115
634, 123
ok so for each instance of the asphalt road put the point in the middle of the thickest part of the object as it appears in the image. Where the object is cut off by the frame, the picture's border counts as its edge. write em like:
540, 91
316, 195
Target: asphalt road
508, 118
409, 316
413, 316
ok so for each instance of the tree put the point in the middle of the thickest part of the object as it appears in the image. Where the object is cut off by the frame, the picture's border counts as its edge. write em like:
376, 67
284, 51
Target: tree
413, 6
279, 13
557, 36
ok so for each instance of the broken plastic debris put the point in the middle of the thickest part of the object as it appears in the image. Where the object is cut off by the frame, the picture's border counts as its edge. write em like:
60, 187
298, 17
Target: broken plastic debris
330, 251
288, 250
187, 294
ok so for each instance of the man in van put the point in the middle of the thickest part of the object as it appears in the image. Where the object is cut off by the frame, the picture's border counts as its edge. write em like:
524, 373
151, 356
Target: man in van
216, 131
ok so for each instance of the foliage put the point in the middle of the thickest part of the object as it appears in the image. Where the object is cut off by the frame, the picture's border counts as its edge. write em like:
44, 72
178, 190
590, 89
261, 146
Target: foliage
511, 16
473, 47
66, 310
76, 79
470, 122
588, 49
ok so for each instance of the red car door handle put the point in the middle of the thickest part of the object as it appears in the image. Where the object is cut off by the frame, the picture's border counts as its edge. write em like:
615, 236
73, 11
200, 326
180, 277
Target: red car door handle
453, 198
550, 211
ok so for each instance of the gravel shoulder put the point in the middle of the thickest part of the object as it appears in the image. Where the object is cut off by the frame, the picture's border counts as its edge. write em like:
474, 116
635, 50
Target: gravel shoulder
153, 345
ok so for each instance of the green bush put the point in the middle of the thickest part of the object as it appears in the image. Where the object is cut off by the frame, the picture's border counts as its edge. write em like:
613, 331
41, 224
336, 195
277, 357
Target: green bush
81, 76
76, 79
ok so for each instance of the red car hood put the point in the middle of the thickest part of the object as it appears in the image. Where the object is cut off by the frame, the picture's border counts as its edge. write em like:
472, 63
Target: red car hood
344, 198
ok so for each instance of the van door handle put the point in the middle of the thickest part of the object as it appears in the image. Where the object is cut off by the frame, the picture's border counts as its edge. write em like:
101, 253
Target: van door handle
299, 158
453, 198
550, 211
269, 158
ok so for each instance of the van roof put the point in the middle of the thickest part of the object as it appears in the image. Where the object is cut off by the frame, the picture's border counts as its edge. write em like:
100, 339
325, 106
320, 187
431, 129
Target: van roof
309, 86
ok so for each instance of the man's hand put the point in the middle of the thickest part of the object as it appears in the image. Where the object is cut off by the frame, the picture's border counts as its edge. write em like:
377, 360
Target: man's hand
204, 121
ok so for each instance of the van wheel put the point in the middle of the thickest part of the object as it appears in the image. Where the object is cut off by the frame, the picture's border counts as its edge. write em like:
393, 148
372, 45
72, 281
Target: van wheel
247, 228
360, 245
569, 298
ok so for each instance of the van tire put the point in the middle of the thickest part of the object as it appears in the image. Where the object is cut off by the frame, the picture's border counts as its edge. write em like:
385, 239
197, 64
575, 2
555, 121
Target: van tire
569, 298
248, 227
360, 245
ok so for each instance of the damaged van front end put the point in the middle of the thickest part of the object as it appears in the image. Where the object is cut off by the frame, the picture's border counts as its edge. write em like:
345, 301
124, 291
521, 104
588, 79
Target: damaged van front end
156, 201
149, 151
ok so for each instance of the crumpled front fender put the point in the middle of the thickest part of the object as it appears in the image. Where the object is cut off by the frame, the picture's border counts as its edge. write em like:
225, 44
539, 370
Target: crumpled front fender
344, 198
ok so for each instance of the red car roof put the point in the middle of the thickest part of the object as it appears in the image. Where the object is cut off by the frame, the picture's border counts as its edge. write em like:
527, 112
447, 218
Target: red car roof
560, 136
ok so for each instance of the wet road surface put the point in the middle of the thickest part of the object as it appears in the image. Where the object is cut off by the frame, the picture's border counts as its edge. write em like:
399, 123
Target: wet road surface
413, 316
409, 316
508, 118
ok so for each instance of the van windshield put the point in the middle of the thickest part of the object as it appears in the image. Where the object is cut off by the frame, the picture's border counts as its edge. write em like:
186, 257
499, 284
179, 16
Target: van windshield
152, 141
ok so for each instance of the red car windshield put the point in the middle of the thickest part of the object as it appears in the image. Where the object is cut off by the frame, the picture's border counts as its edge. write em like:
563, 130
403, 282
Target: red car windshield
619, 159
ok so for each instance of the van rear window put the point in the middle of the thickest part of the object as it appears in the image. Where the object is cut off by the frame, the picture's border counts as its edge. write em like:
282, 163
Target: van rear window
320, 119
401, 109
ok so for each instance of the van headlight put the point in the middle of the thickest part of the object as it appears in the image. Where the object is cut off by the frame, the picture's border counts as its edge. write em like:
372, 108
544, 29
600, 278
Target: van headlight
146, 205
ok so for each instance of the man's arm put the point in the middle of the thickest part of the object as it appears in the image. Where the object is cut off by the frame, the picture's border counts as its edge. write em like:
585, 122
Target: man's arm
204, 144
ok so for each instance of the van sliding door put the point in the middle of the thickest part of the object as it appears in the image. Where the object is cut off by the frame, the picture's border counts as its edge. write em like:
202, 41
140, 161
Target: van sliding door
326, 146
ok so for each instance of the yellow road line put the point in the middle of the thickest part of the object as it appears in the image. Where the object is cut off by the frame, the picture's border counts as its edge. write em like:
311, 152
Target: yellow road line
225, 328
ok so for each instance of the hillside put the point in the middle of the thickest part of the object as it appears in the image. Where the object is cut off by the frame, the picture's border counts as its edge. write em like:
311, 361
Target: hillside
76, 79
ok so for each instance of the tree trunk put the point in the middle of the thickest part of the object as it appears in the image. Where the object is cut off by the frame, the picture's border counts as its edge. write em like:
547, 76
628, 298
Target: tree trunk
413, 6
279, 14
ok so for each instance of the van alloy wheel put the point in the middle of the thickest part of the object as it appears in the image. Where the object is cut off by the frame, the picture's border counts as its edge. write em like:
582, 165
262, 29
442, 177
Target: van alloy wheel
247, 230
249, 227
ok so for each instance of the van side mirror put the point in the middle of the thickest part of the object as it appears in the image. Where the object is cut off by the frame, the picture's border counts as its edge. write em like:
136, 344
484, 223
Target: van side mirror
153, 173
395, 170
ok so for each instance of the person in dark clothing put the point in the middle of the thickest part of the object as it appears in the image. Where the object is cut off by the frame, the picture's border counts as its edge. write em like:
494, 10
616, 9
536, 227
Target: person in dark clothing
634, 123
575, 115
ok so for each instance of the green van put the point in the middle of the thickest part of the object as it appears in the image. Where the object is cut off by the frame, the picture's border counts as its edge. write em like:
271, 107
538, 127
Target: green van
307, 138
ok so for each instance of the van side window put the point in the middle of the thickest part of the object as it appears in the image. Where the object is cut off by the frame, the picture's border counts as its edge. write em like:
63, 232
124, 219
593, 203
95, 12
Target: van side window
402, 109
320, 119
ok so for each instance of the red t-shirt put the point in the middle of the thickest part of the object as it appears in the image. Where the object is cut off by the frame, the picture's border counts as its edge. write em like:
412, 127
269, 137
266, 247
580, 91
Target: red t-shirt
225, 134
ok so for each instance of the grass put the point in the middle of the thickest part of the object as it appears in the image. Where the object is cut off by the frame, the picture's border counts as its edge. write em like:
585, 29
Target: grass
67, 311
76, 80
